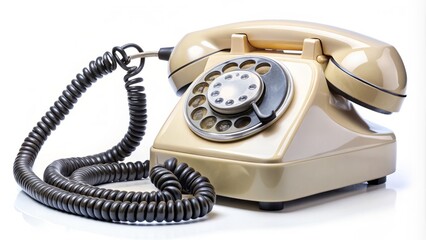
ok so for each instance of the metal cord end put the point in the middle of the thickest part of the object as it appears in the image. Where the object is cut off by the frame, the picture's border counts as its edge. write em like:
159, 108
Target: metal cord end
144, 55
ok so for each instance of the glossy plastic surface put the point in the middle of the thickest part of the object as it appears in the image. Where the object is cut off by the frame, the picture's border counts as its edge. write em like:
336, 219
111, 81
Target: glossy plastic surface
320, 143
360, 60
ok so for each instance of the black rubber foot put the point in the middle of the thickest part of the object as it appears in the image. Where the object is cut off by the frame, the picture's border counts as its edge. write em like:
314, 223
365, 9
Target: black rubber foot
377, 181
271, 206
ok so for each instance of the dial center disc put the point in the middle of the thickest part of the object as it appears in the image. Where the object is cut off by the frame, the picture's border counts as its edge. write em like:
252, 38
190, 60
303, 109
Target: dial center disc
233, 92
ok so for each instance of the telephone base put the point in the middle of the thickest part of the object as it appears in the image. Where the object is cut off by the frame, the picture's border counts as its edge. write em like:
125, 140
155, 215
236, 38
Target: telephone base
271, 184
319, 143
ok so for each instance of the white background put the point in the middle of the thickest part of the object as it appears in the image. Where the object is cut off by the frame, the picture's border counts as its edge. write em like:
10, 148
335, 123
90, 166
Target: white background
45, 43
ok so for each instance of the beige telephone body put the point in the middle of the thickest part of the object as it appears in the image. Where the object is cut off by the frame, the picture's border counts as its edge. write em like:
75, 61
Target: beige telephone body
266, 115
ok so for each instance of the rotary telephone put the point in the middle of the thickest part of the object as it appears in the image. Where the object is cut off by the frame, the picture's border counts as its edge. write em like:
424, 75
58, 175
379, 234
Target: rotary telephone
265, 115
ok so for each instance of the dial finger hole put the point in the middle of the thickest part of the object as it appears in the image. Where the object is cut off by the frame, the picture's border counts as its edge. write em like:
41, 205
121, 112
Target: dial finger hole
223, 125
230, 67
247, 64
263, 68
212, 76
198, 113
197, 101
208, 122
200, 88
242, 122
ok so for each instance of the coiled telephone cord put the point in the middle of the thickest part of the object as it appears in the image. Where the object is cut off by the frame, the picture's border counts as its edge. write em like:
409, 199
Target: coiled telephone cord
69, 183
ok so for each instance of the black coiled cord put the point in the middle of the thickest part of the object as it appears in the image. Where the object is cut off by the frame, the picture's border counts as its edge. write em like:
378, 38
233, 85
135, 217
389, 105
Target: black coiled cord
68, 183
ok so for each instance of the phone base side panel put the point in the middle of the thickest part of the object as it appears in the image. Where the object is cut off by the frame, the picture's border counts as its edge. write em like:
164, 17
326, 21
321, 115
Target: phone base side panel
275, 182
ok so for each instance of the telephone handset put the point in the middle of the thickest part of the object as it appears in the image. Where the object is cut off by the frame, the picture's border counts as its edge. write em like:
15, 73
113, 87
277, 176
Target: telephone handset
366, 70
265, 116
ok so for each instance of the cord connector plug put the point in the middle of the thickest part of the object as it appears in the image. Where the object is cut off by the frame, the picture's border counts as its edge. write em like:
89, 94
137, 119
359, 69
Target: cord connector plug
164, 53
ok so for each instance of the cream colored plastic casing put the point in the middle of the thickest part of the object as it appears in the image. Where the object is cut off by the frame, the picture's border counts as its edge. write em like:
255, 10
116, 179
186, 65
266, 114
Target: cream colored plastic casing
368, 71
320, 142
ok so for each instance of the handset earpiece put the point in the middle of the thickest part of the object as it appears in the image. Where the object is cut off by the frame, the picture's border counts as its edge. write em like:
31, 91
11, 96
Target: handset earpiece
363, 69
373, 77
